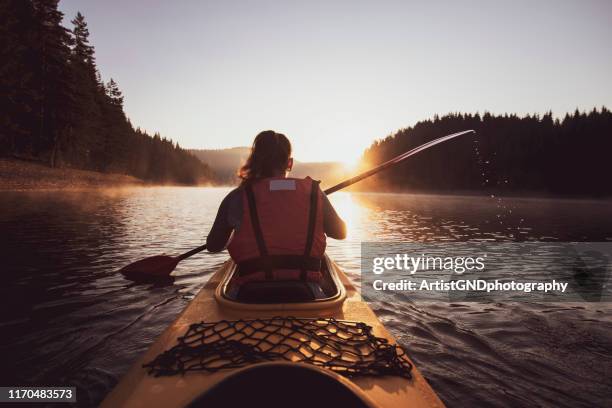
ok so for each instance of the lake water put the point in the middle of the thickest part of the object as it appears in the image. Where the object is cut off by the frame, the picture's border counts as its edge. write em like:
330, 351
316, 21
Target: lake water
68, 318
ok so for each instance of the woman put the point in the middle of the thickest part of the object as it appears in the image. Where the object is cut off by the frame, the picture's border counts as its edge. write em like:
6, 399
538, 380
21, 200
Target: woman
275, 227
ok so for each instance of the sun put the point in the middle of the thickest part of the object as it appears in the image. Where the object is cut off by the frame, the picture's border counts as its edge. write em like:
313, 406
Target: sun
350, 166
332, 150
350, 157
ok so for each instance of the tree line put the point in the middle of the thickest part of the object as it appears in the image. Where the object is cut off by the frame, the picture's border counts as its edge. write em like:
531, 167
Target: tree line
56, 109
508, 154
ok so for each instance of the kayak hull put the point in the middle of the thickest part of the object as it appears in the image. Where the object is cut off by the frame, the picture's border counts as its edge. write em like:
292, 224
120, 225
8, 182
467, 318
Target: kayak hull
138, 389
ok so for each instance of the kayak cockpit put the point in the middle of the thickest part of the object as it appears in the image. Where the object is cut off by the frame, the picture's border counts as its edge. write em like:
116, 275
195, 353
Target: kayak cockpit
283, 385
329, 292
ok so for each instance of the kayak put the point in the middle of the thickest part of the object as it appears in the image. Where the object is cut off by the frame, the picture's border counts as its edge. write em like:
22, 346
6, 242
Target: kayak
275, 381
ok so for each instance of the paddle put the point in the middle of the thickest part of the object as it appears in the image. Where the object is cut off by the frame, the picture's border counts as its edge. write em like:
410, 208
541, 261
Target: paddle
163, 265
158, 265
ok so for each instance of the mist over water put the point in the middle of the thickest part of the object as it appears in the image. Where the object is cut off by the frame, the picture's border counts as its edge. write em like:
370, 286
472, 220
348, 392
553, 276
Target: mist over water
69, 318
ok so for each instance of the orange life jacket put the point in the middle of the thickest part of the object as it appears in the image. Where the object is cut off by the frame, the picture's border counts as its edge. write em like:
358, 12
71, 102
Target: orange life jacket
281, 236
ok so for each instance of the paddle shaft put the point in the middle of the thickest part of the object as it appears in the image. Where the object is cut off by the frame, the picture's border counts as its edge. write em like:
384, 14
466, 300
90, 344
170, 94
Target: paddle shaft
396, 160
190, 253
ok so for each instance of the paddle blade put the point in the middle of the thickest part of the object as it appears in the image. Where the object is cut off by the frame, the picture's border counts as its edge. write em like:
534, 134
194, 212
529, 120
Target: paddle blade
159, 265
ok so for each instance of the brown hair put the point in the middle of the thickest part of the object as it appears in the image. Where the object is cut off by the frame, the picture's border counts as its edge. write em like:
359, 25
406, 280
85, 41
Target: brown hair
269, 156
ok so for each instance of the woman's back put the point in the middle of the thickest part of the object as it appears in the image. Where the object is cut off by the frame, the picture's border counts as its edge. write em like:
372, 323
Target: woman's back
275, 227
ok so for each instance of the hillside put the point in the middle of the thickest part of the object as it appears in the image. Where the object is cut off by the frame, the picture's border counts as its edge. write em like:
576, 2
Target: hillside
226, 162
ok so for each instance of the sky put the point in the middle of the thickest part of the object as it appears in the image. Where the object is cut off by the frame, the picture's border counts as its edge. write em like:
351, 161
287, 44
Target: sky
336, 75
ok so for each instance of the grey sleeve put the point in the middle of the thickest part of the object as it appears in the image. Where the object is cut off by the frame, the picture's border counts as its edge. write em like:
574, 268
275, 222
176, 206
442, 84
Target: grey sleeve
334, 225
227, 220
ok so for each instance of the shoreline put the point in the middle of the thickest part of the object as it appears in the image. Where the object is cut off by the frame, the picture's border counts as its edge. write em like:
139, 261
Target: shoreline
21, 175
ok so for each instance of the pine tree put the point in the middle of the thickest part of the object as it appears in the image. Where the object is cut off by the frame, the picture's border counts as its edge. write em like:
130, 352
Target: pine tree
114, 93
52, 52
84, 135
19, 92
119, 134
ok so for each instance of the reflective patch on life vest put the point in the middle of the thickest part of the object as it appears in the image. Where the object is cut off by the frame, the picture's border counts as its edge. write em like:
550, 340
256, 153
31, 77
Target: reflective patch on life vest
277, 185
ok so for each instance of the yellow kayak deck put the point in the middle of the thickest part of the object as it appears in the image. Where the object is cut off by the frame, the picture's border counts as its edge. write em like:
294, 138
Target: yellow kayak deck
138, 389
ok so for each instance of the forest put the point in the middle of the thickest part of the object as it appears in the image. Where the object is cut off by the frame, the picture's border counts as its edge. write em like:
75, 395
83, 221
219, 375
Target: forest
56, 109
509, 154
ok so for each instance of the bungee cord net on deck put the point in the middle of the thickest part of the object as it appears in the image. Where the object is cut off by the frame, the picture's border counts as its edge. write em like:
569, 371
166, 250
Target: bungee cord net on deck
345, 347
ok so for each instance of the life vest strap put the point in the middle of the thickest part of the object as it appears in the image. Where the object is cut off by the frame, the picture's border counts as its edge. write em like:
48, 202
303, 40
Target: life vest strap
275, 262
261, 244
312, 219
